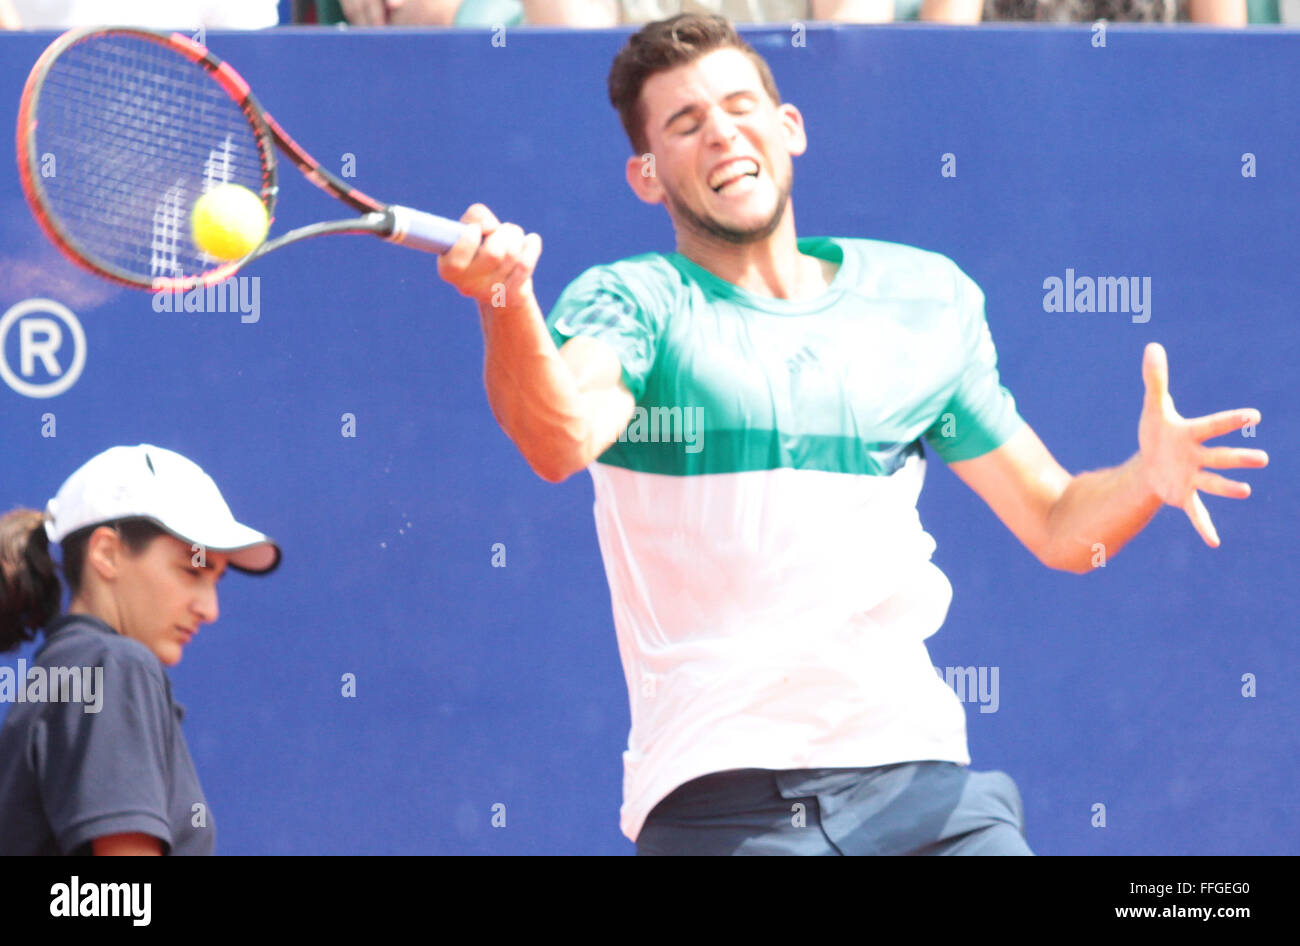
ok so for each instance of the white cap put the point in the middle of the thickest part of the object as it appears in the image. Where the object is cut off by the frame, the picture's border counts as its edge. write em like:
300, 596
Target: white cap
148, 482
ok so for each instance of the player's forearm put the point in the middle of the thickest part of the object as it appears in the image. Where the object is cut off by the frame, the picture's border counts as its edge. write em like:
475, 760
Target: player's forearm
531, 390
1097, 514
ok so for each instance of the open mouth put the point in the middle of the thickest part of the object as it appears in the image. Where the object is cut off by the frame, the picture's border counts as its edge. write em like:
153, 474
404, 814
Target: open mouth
732, 172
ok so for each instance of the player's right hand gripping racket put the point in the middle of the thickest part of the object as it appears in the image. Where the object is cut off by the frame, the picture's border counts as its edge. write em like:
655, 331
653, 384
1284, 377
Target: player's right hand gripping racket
121, 130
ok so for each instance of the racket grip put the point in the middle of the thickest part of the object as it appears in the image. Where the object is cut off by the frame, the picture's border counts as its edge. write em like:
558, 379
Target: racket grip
422, 231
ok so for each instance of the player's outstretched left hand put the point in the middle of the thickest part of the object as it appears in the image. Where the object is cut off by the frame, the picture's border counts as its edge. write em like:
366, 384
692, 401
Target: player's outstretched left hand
1173, 456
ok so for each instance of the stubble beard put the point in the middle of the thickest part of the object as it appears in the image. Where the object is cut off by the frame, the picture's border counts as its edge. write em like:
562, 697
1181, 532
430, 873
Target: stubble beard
710, 226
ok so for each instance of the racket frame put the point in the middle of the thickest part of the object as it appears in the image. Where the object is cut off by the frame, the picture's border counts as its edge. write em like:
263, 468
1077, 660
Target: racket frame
398, 224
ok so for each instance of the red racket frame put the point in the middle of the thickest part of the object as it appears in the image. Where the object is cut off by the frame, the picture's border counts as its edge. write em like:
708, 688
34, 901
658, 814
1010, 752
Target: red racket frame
266, 130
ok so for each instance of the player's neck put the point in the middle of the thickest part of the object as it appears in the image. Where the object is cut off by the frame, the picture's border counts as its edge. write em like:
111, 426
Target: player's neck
771, 267
96, 606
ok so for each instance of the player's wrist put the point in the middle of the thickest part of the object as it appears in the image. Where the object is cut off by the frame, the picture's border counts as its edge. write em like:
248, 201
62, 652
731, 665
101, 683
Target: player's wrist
1143, 478
505, 303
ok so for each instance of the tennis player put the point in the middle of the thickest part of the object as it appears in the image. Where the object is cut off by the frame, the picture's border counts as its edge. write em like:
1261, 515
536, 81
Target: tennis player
92, 757
752, 410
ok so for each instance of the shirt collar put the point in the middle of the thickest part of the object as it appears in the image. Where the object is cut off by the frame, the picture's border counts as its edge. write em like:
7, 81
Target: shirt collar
64, 621
89, 620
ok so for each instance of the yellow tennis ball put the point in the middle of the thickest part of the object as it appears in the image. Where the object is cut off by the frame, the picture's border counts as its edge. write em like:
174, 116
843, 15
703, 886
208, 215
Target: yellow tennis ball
229, 222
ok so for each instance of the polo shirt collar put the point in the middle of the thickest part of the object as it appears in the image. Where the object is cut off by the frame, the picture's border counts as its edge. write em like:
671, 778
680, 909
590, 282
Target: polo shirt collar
63, 620
95, 624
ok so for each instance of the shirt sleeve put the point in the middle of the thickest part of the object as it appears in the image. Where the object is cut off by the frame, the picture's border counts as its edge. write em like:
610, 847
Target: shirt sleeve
981, 414
600, 304
103, 773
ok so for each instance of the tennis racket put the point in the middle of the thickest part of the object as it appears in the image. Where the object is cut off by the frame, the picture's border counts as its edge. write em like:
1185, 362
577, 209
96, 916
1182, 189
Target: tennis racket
121, 130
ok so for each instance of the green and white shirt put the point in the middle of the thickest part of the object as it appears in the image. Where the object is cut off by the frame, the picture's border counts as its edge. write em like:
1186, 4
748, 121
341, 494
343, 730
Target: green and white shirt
770, 579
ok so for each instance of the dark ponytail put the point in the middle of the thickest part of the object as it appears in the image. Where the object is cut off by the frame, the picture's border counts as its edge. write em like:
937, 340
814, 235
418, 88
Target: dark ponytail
30, 591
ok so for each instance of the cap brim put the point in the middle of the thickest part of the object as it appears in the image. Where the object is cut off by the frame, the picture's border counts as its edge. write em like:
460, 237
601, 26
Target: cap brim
250, 551
260, 559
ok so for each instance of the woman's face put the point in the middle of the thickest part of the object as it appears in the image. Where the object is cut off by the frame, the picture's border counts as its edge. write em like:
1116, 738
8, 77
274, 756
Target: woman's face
165, 593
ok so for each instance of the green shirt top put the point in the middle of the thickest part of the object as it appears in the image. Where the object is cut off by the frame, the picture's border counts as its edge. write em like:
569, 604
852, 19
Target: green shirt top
726, 380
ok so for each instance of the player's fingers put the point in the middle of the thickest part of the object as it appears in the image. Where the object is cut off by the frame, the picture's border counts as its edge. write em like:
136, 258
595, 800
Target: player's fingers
1229, 458
1155, 373
523, 270
1216, 425
530, 253
1217, 485
453, 264
499, 252
479, 213
1196, 512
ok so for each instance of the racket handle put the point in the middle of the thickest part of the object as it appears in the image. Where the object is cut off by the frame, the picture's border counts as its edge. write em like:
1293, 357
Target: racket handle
422, 231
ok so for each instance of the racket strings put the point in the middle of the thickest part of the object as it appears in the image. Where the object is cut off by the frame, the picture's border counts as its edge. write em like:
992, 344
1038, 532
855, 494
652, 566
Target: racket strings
134, 133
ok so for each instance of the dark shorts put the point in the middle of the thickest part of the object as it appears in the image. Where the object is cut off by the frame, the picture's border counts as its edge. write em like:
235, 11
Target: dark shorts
914, 808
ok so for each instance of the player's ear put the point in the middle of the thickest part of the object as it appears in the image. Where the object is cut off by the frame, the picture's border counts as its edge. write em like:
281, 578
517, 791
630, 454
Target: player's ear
792, 124
643, 178
104, 553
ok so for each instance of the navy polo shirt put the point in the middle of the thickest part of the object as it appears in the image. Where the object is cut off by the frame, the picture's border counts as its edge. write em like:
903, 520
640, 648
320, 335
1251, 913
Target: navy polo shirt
68, 775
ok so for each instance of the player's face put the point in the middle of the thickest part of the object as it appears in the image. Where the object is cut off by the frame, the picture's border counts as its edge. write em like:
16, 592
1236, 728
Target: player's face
163, 596
721, 147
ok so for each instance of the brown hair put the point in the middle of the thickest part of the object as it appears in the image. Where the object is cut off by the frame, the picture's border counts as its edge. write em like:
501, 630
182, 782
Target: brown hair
30, 590
664, 45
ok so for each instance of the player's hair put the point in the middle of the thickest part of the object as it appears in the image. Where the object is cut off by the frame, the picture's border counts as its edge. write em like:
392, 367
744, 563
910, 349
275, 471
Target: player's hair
664, 45
30, 590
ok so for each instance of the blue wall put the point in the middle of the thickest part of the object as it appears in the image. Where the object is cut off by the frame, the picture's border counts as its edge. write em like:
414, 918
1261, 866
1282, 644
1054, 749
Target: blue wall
481, 685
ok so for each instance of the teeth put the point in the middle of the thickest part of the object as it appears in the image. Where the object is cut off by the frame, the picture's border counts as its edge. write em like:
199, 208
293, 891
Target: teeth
729, 172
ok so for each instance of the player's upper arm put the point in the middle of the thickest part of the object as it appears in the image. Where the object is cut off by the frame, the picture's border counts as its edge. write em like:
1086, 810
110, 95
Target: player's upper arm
607, 403
1021, 482
607, 326
986, 442
122, 845
104, 774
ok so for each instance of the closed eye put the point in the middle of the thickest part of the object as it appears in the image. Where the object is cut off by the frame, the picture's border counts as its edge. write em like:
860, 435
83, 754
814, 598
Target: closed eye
738, 103
198, 572
696, 127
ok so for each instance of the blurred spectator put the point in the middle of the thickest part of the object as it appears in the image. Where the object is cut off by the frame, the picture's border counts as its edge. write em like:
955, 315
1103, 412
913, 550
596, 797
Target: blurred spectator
387, 12
605, 13
486, 13
597, 14
490, 13
1219, 12
148, 14
952, 11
